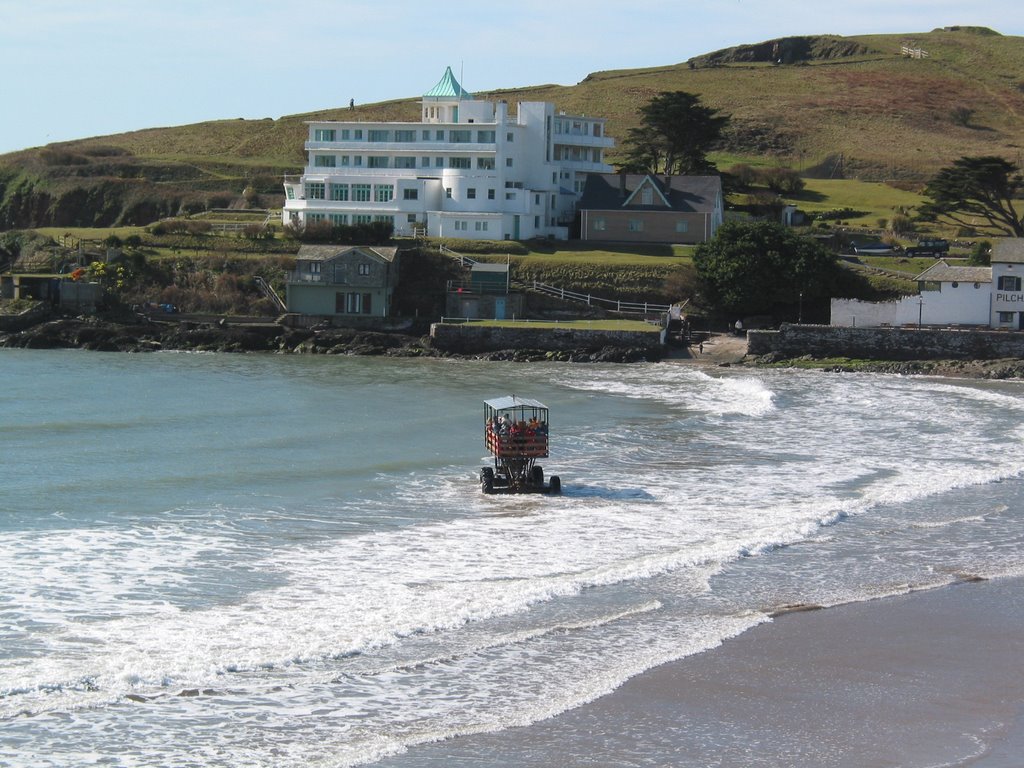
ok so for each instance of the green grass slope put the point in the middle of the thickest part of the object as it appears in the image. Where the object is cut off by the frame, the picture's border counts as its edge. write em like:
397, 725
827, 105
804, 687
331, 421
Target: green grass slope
850, 107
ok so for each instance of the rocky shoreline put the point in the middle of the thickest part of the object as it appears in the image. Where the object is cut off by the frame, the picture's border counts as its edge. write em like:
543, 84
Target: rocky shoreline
146, 335
1003, 368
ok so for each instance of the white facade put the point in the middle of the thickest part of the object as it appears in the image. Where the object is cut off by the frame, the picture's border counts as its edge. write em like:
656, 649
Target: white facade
468, 169
991, 297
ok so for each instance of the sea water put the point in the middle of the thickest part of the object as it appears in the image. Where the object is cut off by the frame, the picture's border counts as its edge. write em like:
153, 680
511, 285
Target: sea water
221, 560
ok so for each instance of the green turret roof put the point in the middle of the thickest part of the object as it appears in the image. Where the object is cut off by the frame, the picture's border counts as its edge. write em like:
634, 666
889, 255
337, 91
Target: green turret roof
448, 88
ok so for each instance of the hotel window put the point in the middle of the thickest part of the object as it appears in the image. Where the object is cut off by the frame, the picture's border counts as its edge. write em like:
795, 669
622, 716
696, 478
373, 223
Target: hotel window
315, 190
362, 218
508, 162
339, 191
597, 129
1006, 317
344, 160
386, 219
600, 224
682, 226
471, 193
425, 135
357, 160
314, 218
323, 134
411, 218
383, 193
377, 162
376, 134
558, 126
405, 135
338, 219
460, 137
405, 162
461, 226
636, 225
289, 192
460, 162
536, 199
1008, 283
410, 194
361, 193
485, 163
510, 195
425, 162
346, 134
536, 222
481, 226
448, 192
510, 136
439, 162
490, 194
485, 137
439, 136
358, 134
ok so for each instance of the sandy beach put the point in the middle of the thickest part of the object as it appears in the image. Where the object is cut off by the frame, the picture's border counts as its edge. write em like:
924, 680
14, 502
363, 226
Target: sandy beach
917, 681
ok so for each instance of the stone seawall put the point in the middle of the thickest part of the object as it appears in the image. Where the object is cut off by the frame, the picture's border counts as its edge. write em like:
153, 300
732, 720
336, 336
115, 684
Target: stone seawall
469, 338
792, 341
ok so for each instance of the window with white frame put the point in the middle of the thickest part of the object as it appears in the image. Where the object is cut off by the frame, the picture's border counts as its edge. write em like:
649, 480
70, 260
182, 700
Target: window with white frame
682, 226
460, 162
405, 162
314, 218
490, 194
363, 269
377, 161
1006, 317
636, 225
324, 161
315, 190
346, 134
383, 193
362, 218
480, 226
460, 136
647, 196
485, 163
471, 193
508, 162
448, 192
339, 192
405, 135
361, 193
338, 219
485, 137
377, 134
410, 194
600, 224
323, 134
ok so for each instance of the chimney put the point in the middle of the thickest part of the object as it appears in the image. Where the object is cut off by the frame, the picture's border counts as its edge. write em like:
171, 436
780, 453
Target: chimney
622, 184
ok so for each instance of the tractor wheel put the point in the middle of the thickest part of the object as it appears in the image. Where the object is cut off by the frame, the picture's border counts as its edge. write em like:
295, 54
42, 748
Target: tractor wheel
538, 475
487, 480
556, 484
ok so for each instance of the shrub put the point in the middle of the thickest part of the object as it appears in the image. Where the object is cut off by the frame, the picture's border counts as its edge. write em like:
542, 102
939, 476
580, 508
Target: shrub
782, 180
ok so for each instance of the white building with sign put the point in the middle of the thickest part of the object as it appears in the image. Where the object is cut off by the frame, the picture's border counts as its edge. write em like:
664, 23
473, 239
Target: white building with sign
467, 169
989, 297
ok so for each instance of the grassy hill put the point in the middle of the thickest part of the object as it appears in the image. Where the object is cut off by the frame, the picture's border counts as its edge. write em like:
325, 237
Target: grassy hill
850, 107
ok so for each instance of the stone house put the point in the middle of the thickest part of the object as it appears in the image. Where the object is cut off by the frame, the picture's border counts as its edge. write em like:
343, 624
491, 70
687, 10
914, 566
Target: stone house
343, 283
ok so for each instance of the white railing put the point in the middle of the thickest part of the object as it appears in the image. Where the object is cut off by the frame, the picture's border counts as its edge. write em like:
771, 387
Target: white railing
615, 305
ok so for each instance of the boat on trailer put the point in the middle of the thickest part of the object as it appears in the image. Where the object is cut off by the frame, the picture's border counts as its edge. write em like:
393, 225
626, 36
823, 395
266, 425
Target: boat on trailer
516, 436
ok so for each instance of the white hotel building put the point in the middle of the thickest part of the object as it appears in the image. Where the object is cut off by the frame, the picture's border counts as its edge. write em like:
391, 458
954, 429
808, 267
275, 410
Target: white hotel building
468, 169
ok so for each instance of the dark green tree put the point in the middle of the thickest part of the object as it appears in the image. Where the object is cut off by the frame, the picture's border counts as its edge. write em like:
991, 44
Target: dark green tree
675, 134
978, 193
751, 268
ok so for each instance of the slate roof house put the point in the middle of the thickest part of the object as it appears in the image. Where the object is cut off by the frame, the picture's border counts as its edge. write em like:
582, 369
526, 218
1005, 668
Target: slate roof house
990, 297
650, 209
343, 282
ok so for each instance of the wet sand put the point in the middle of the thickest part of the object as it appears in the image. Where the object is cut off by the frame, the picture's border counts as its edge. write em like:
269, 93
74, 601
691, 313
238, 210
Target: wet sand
923, 680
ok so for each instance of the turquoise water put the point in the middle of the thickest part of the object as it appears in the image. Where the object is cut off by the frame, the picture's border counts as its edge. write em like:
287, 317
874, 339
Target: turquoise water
270, 561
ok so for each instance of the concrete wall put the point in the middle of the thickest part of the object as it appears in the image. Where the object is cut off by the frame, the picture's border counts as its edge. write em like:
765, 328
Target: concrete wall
964, 304
886, 343
468, 338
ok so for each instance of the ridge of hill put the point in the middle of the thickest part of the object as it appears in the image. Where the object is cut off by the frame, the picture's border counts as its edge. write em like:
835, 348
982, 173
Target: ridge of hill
858, 106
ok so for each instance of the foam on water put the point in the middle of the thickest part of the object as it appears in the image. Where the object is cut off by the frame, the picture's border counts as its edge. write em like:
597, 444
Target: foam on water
285, 621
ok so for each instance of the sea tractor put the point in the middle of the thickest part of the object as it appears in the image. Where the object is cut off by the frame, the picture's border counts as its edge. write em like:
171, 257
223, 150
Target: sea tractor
516, 435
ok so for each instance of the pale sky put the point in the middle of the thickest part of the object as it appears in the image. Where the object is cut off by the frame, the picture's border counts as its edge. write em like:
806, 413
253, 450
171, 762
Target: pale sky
81, 68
